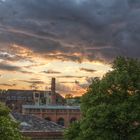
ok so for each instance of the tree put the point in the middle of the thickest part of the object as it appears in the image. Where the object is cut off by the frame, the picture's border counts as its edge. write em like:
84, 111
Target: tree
72, 133
8, 128
111, 106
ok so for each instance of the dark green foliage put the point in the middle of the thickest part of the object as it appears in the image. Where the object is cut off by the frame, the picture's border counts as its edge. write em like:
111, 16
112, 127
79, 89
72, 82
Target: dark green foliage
111, 106
8, 128
73, 132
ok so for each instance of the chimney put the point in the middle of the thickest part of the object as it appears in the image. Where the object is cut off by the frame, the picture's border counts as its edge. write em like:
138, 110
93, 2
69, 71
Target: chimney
53, 85
53, 93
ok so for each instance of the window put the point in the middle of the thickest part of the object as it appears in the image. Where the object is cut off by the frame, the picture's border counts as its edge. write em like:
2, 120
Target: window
36, 95
60, 121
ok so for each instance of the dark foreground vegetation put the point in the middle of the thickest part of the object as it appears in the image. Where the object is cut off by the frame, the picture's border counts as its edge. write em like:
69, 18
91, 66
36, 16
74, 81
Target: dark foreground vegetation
8, 127
111, 106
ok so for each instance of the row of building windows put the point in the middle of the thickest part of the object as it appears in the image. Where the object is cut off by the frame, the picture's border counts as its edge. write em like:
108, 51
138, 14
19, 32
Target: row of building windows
19, 98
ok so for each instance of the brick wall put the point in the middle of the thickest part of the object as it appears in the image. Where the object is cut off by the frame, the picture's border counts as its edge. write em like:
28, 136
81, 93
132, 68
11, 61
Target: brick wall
44, 135
55, 115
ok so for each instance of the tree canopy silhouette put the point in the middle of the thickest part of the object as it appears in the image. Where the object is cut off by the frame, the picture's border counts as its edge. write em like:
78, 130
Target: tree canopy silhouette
111, 106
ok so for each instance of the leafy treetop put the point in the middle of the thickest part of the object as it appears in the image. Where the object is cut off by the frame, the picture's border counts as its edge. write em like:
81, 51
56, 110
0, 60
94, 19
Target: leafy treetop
111, 106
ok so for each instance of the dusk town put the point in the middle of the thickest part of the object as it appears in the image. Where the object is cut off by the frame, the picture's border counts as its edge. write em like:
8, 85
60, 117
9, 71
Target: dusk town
69, 70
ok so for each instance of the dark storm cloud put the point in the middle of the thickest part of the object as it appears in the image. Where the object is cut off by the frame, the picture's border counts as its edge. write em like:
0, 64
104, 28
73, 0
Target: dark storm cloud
26, 72
33, 65
87, 70
70, 76
97, 29
5, 66
9, 85
67, 76
36, 82
51, 72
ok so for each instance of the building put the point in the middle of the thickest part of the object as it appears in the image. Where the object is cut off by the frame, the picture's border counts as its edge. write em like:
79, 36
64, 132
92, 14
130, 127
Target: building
54, 110
14, 99
48, 105
62, 115
37, 128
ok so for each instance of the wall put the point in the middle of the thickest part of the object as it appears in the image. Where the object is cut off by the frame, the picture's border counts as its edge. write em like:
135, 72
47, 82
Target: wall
44, 135
55, 115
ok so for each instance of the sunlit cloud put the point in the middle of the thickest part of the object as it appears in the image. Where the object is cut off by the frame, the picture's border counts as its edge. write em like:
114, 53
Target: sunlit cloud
74, 41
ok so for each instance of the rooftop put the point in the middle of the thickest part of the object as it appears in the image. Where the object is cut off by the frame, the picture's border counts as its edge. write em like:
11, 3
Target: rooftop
50, 107
17, 91
30, 123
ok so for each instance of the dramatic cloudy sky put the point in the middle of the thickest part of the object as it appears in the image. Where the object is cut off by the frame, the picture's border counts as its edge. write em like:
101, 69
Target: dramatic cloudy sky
72, 40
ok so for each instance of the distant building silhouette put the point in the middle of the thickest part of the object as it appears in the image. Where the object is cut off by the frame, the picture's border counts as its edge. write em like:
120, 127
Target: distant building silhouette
14, 99
49, 105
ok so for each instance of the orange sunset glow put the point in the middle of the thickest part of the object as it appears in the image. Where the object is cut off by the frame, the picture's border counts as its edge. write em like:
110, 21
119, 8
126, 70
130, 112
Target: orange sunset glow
36, 71
73, 41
